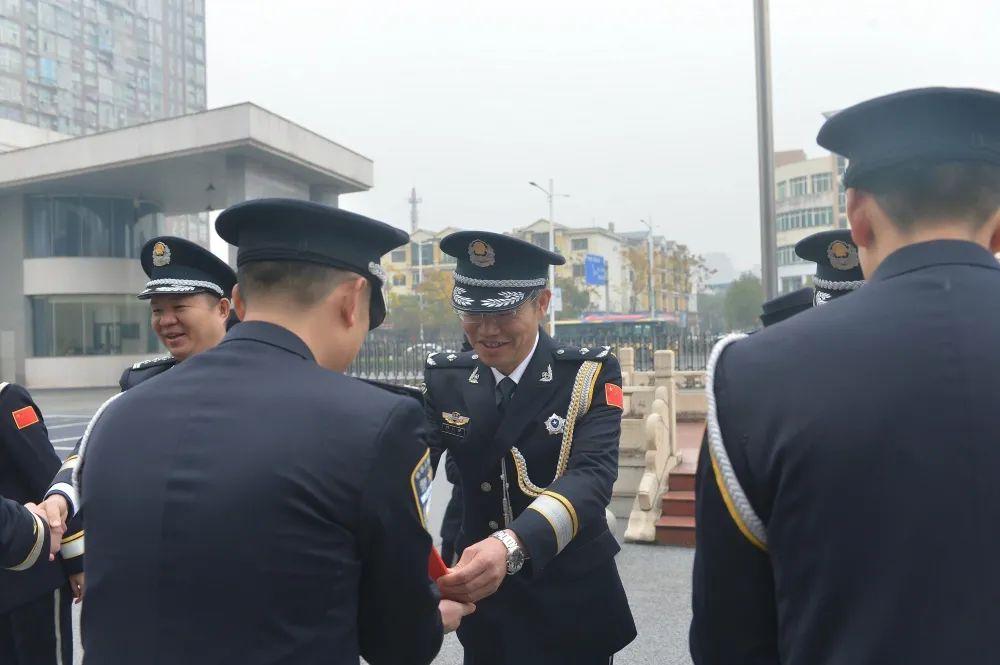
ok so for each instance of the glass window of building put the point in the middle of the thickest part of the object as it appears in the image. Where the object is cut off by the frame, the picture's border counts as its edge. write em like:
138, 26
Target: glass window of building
789, 284
399, 280
782, 190
822, 182
398, 256
798, 186
448, 259
95, 325
423, 256
578, 244
540, 239
90, 226
579, 271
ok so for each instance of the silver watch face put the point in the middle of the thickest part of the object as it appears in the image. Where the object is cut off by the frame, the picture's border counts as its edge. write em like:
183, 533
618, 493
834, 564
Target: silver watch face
515, 561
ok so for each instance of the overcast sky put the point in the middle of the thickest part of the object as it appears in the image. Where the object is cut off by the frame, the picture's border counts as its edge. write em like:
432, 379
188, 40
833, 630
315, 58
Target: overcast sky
636, 108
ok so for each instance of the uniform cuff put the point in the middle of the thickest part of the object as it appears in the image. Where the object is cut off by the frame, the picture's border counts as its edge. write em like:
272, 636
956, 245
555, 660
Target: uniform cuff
69, 492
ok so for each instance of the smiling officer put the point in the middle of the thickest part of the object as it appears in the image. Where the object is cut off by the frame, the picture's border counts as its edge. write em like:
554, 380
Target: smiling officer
533, 427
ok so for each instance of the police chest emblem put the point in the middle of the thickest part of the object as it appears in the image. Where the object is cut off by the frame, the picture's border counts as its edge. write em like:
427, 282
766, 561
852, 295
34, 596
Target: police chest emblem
161, 254
455, 418
421, 481
820, 298
555, 424
454, 423
481, 254
842, 255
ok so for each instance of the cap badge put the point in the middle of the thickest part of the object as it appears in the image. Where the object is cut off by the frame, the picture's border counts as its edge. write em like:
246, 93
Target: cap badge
555, 424
161, 254
378, 271
455, 418
481, 254
842, 255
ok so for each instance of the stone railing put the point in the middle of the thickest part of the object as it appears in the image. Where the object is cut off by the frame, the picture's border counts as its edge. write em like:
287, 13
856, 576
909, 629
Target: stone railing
648, 447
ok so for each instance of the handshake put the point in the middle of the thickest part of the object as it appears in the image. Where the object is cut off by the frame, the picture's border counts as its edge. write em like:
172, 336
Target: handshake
51, 515
477, 575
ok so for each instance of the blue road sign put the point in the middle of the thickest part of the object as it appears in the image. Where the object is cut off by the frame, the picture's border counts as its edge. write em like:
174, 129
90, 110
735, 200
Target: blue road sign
595, 270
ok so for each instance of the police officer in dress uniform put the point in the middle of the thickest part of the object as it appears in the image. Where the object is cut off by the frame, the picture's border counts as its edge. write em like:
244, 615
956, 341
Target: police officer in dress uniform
838, 268
533, 427
847, 502
189, 292
838, 272
35, 600
255, 504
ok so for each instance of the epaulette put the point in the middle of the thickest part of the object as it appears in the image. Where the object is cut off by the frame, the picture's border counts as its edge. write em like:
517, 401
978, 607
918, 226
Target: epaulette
407, 391
446, 359
153, 362
582, 352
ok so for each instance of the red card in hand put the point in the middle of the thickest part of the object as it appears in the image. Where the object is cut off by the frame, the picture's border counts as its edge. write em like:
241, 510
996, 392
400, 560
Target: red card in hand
435, 564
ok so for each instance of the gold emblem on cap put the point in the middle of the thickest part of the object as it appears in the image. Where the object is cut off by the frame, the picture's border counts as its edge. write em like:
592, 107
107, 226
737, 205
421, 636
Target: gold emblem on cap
455, 418
481, 254
161, 254
842, 255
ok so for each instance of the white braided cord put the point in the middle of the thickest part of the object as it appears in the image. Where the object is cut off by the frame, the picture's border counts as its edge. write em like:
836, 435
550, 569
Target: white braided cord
177, 283
499, 283
716, 448
830, 285
86, 438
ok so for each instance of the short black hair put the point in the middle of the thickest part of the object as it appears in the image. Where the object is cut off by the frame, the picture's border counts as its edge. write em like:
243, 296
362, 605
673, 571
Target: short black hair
304, 284
918, 192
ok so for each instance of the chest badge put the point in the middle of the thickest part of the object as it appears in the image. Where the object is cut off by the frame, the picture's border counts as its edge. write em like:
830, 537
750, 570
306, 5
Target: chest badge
455, 418
454, 423
546, 375
474, 377
555, 424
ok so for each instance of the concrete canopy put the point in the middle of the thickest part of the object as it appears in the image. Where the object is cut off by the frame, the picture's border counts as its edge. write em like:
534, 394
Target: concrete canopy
191, 163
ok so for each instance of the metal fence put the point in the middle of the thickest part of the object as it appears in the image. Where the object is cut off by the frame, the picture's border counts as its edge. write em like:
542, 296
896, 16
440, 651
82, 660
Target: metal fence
393, 360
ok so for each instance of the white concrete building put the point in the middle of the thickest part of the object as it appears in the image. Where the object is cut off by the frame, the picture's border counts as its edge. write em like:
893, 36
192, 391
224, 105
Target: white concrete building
809, 198
74, 213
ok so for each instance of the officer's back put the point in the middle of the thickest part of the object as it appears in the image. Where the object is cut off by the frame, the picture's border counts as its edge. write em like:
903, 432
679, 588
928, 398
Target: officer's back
863, 433
252, 506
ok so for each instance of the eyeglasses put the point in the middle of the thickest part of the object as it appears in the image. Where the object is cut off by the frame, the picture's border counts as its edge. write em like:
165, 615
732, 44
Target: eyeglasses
506, 316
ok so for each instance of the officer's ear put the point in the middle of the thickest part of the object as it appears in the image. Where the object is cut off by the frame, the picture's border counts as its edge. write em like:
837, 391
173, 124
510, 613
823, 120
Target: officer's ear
224, 306
994, 224
351, 297
239, 303
544, 298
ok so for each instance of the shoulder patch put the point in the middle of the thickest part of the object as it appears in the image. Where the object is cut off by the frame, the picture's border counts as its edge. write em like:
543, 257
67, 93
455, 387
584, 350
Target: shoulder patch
582, 352
152, 362
421, 481
446, 359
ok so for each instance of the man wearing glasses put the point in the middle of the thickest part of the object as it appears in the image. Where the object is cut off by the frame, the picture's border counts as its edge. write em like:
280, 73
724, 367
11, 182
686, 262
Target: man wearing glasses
533, 427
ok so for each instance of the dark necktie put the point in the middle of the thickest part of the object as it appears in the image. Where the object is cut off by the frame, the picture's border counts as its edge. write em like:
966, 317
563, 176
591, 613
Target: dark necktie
505, 390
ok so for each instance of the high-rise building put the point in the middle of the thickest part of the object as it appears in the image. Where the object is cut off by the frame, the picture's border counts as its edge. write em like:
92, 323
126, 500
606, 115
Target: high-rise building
85, 66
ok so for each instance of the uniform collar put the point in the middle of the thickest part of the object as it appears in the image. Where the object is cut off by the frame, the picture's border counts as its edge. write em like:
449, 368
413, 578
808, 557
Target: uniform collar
934, 253
519, 370
270, 333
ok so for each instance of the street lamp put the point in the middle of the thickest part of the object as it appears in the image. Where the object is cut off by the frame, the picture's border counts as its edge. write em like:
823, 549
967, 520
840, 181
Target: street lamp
550, 193
765, 149
649, 271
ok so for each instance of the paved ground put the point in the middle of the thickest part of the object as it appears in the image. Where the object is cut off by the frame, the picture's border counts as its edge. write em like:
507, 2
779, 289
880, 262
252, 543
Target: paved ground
657, 579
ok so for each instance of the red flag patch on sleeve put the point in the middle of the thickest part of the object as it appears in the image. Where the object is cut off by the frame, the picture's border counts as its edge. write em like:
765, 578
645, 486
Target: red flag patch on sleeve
25, 417
613, 395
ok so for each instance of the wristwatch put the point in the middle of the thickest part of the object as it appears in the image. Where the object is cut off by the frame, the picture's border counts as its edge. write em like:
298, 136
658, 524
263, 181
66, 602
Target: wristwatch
515, 555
